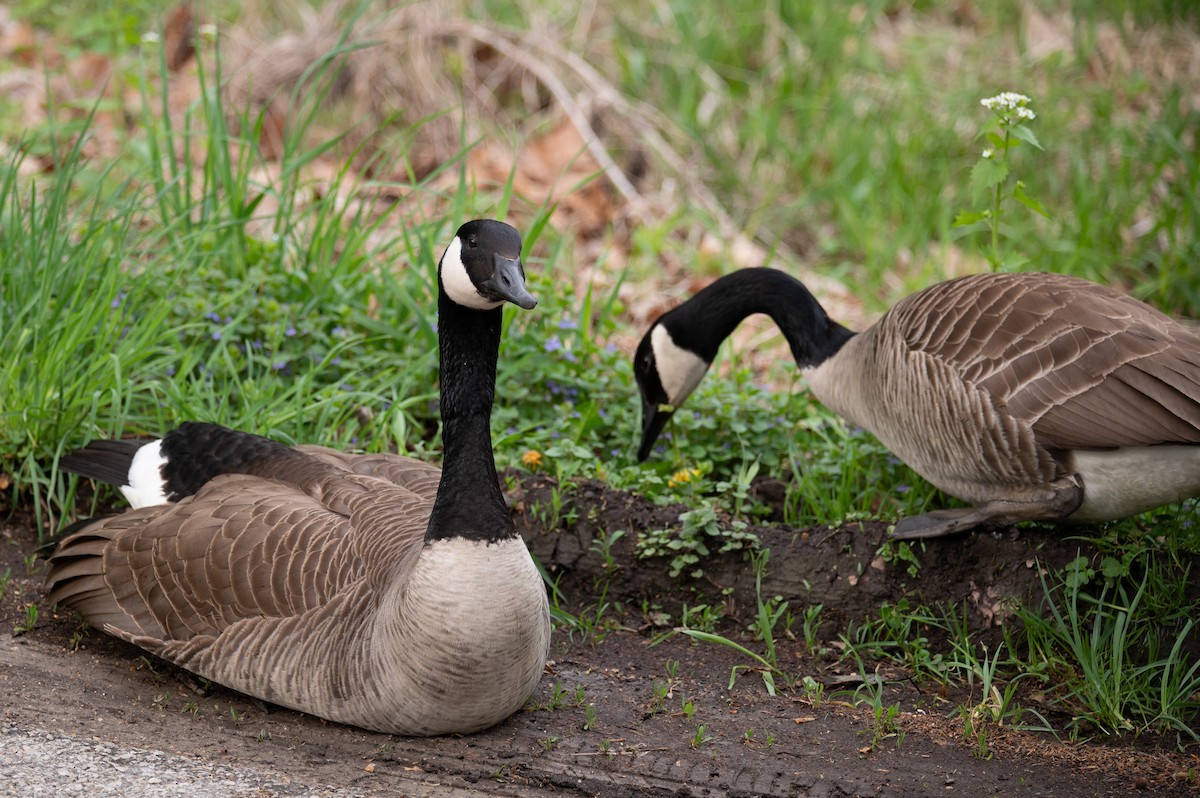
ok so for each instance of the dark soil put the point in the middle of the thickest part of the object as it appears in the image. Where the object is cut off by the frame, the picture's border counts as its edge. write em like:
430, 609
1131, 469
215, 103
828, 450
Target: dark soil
699, 737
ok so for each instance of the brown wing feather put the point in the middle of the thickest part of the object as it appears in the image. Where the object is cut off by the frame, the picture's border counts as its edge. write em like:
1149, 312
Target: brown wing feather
1086, 366
244, 547
415, 475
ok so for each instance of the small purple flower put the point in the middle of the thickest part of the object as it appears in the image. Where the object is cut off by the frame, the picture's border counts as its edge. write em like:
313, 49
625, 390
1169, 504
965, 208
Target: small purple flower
279, 365
215, 318
568, 324
117, 300
903, 488
569, 356
338, 331
216, 335
553, 344
290, 331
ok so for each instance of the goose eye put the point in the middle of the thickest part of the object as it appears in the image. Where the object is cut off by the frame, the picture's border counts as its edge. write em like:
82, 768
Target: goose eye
472, 242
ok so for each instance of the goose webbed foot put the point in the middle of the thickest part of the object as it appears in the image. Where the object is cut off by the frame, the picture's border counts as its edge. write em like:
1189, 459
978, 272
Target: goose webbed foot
1063, 500
937, 523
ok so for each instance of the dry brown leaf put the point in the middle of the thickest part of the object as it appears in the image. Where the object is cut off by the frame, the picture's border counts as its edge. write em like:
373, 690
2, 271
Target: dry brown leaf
179, 37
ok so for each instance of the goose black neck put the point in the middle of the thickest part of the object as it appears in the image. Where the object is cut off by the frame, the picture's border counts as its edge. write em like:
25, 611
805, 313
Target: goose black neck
469, 503
708, 318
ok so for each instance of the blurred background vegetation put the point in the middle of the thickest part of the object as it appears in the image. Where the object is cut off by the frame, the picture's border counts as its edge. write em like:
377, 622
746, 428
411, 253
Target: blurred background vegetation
238, 179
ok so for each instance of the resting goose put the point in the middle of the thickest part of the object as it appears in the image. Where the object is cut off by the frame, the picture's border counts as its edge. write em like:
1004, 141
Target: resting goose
1030, 396
370, 590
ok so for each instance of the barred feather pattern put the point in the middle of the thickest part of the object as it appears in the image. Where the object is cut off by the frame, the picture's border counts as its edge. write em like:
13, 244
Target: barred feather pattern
980, 384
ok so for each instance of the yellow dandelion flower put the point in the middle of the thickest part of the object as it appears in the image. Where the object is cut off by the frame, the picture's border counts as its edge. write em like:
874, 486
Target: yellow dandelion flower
532, 459
683, 476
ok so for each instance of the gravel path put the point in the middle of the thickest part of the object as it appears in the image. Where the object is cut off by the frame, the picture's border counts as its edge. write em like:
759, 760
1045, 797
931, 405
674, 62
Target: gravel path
41, 763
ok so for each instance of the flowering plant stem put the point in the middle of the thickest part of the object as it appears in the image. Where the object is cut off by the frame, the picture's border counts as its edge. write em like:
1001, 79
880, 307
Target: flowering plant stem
998, 195
991, 172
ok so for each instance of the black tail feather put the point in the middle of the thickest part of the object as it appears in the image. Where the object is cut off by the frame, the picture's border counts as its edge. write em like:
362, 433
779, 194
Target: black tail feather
103, 460
194, 452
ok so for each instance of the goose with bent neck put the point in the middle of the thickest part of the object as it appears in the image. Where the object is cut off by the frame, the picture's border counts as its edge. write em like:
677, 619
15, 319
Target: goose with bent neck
1032, 396
372, 590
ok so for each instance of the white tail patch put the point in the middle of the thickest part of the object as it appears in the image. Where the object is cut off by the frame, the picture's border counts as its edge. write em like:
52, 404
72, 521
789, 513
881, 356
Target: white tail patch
679, 370
146, 484
458, 283
1121, 482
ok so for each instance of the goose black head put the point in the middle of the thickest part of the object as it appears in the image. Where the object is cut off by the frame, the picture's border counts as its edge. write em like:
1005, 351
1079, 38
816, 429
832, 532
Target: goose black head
667, 372
481, 268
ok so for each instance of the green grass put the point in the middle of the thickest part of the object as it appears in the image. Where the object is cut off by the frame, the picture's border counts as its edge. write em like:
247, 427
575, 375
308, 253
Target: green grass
849, 138
1115, 647
193, 277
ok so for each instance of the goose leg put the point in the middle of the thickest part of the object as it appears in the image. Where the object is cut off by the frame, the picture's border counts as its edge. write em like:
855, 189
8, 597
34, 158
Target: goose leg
1065, 499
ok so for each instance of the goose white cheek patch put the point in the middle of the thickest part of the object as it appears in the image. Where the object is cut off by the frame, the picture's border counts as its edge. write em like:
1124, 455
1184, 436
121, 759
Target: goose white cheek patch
458, 283
146, 482
679, 370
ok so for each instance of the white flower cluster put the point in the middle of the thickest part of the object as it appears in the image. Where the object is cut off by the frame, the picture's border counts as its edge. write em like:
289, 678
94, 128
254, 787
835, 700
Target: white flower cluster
1009, 104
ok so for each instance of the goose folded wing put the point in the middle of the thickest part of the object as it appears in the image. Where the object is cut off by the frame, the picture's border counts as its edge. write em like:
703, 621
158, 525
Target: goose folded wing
405, 472
1085, 366
241, 548
1093, 369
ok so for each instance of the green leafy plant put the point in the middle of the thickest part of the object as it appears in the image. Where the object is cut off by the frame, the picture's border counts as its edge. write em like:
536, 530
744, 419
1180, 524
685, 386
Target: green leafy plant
769, 613
30, 621
689, 544
900, 632
810, 625
991, 172
884, 717
900, 553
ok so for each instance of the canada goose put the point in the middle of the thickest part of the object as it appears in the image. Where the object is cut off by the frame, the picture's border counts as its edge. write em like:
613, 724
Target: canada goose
1030, 396
370, 590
